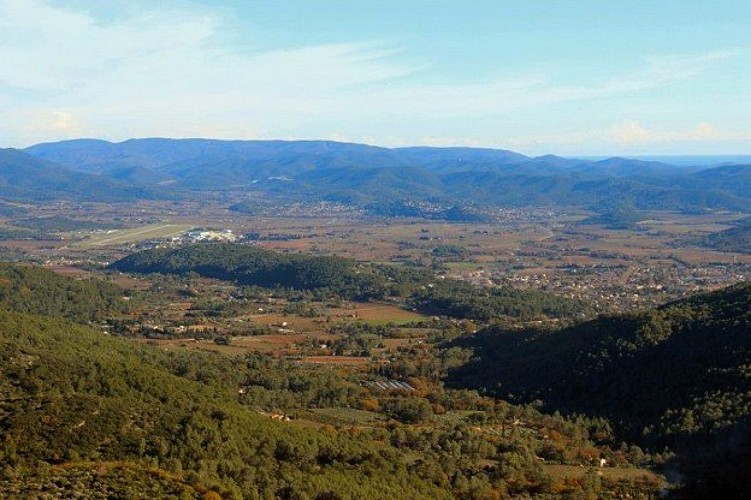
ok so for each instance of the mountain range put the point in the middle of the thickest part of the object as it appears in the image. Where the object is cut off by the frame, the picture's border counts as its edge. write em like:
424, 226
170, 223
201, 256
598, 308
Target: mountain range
25, 177
361, 174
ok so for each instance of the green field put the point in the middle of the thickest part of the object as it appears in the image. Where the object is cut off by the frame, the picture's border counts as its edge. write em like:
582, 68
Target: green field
133, 235
344, 416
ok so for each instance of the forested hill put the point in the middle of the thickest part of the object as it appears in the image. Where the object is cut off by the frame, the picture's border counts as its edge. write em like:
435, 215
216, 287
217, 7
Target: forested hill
36, 290
248, 265
676, 375
657, 373
87, 415
734, 239
459, 299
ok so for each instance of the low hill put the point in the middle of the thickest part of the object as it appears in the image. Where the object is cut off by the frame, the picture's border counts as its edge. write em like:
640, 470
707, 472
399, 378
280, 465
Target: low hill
458, 299
615, 217
734, 239
249, 265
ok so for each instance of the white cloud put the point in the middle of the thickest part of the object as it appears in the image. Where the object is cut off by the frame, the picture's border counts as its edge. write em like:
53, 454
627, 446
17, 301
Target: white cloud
165, 73
631, 132
630, 137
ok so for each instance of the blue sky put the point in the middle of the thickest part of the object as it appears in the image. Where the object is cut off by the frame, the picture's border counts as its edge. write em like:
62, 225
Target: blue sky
576, 77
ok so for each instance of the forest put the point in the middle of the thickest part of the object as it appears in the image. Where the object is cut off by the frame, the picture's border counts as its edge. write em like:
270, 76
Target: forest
38, 291
87, 413
674, 376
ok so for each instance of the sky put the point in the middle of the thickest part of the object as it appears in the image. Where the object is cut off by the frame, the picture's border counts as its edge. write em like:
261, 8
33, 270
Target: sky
569, 77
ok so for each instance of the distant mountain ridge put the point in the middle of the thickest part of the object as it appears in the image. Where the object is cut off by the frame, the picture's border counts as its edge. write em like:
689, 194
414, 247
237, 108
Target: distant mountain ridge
362, 174
23, 176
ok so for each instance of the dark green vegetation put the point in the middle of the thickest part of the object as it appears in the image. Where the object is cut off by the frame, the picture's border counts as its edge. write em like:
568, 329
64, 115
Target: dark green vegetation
249, 265
33, 290
735, 239
96, 480
391, 181
89, 414
458, 299
677, 376
71, 395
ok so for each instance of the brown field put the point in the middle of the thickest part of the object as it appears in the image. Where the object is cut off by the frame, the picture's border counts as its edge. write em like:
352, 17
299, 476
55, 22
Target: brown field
381, 313
293, 323
337, 360
613, 473
373, 312
287, 345
71, 271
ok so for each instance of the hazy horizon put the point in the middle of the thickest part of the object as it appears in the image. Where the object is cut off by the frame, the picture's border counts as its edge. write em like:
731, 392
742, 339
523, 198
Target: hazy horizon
575, 78
673, 159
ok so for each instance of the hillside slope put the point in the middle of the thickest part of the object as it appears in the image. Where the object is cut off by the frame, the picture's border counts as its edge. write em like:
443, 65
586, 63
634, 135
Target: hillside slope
35, 290
677, 375
23, 176
69, 395
656, 372
734, 239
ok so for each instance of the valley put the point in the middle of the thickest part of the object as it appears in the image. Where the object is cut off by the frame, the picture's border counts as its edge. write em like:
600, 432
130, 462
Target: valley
404, 329
375, 250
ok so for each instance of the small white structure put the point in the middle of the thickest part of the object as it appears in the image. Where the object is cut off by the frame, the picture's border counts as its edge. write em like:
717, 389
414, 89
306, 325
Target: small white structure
226, 236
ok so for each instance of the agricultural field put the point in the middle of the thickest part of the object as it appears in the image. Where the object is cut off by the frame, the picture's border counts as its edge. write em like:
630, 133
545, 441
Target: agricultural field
657, 260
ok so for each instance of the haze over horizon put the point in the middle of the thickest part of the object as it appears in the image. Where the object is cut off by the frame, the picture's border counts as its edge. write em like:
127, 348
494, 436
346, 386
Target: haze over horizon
577, 78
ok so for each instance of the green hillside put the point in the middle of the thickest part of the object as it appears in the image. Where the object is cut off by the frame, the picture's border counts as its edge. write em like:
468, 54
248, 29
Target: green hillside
88, 415
70, 395
35, 290
676, 376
